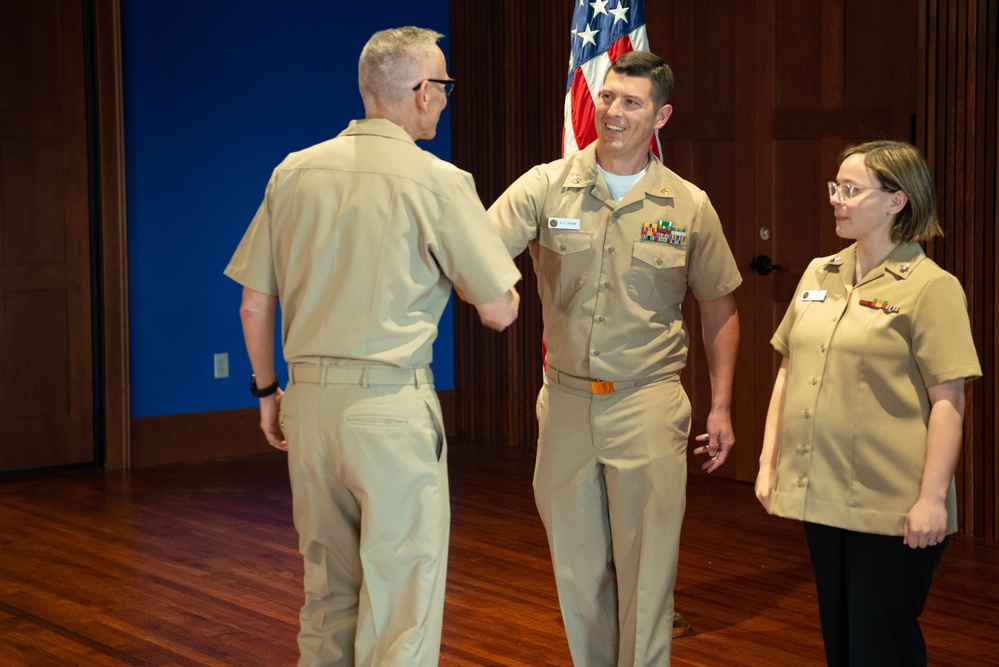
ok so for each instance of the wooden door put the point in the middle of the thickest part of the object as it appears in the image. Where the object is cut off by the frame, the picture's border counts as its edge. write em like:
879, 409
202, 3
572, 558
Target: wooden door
767, 95
46, 361
843, 71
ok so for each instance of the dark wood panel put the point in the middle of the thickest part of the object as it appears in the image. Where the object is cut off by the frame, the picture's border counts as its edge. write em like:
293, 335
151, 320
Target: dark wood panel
38, 87
45, 270
509, 120
197, 564
199, 436
36, 321
957, 128
32, 177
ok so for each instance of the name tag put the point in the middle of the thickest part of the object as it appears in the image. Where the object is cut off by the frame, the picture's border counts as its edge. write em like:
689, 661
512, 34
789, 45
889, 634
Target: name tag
814, 295
563, 223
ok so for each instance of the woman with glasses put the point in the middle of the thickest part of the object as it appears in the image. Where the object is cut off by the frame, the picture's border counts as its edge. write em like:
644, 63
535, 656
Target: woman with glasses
865, 423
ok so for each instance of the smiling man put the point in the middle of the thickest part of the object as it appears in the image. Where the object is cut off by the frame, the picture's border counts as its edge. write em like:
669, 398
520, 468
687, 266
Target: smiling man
617, 239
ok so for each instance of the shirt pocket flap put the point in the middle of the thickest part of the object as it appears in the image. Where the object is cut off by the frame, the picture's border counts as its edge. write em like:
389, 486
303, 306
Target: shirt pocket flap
565, 242
660, 255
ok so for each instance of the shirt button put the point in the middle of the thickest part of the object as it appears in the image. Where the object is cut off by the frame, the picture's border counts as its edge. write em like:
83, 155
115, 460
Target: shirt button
596, 353
606, 285
801, 483
806, 414
659, 261
562, 247
822, 348
814, 381
610, 251
601, 319
803, 449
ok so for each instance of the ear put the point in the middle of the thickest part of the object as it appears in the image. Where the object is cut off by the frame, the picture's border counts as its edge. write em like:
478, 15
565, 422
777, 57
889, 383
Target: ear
420, 97
665, 111
898, 201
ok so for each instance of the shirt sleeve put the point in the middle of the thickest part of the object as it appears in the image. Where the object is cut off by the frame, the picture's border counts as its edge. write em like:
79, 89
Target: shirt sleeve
468, 249
942, 342
712, 271
517, 212
252, 265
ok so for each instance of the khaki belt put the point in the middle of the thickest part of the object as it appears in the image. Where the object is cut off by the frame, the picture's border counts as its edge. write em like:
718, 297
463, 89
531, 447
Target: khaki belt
361, 375
596, 386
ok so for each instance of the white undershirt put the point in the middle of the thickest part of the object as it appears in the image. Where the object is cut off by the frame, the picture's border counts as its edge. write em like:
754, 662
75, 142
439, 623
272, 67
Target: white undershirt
619, 185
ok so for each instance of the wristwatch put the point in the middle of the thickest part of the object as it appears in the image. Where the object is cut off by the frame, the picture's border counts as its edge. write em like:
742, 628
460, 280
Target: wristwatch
266, 391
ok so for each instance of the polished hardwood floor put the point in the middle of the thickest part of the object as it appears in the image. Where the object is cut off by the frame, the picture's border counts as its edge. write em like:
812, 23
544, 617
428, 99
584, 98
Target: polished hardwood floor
197, 565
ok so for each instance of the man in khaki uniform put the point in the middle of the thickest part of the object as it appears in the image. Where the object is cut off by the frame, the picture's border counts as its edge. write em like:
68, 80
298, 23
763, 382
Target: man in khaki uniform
360, 238
617, 239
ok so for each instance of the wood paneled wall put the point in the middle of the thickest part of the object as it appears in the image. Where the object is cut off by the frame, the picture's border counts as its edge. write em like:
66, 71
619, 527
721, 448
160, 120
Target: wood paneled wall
511, 59
957, 129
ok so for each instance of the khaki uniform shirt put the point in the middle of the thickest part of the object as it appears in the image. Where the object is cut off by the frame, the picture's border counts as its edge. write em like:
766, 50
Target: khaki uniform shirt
853, 437
612, 275
361, 237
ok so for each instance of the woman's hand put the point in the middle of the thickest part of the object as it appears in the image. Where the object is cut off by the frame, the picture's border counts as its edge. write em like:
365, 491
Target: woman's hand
925, 524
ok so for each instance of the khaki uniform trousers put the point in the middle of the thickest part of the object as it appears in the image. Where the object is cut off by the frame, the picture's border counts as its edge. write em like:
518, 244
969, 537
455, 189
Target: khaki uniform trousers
610, 485
370, 502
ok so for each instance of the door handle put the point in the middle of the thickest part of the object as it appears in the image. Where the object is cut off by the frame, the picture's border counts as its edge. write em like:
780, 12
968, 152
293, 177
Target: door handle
761, 265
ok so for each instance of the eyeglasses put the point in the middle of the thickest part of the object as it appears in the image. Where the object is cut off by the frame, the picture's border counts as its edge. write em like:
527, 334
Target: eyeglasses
447, 83
846, 191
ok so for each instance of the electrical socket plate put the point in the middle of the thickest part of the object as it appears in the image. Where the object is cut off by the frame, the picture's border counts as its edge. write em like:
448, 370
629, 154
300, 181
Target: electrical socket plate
221, 365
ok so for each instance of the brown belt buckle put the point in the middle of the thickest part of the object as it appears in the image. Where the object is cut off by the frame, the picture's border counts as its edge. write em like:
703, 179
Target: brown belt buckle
598, 387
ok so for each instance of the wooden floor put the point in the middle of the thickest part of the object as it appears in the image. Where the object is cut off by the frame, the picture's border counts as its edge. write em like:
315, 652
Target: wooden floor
197, 565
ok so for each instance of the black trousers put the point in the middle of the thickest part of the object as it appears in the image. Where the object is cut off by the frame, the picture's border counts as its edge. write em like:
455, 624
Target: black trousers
871, 591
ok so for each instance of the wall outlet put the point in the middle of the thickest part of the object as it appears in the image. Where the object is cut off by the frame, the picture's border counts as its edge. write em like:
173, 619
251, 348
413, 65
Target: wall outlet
221, 365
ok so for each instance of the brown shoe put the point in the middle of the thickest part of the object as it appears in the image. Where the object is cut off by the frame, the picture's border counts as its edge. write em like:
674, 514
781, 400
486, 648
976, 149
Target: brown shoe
681, 626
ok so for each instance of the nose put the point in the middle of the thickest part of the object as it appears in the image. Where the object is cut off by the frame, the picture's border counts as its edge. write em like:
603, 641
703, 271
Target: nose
614, 107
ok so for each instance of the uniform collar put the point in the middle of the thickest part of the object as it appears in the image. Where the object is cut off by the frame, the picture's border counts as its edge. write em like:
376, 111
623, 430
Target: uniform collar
900, 263
904, 259
379, 127
658, 182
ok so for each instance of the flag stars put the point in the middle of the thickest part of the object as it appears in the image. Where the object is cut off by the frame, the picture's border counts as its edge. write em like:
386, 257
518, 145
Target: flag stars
599, 7
587, 35
620, 13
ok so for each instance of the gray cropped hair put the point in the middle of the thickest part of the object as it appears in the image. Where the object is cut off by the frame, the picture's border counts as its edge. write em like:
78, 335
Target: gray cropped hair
394, 59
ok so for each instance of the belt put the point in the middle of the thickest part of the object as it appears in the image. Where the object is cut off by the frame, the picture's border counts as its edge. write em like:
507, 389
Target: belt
362, 375
596, 386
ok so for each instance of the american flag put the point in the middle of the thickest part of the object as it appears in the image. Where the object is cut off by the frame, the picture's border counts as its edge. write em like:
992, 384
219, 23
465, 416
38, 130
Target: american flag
600, 33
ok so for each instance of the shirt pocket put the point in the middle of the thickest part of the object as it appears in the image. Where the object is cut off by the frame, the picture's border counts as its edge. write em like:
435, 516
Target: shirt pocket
658, 274
564, 262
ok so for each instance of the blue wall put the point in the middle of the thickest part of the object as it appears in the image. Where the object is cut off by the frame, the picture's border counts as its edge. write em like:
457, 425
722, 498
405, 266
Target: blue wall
216, 94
